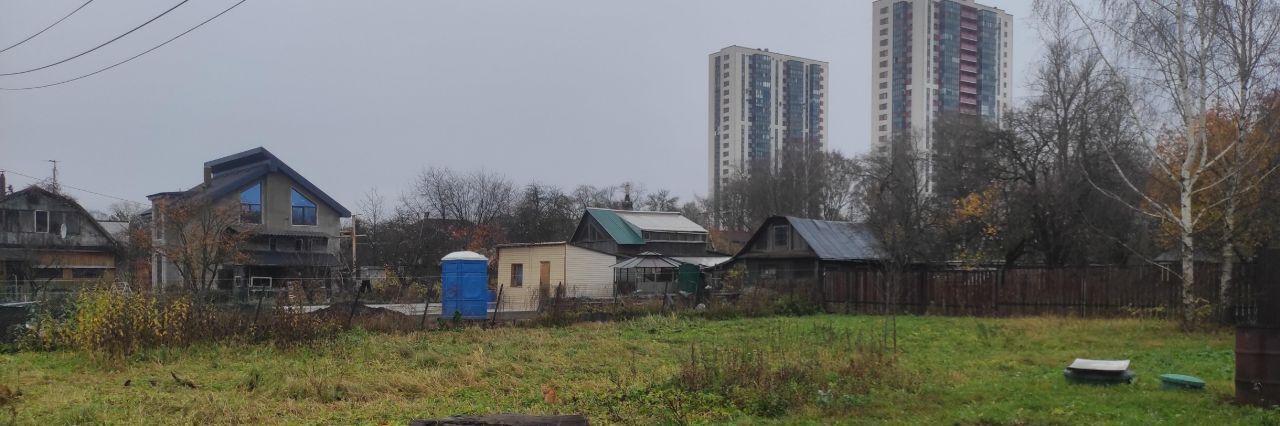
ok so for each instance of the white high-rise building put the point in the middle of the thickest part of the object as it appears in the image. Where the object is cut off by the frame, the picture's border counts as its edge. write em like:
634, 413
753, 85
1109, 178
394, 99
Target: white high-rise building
761, 105
931, 57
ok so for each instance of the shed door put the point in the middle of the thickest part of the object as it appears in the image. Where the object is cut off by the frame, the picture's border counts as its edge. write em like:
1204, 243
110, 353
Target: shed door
544, 275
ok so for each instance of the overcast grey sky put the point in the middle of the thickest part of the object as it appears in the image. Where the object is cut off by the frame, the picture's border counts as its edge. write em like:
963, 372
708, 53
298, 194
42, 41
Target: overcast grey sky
363, 94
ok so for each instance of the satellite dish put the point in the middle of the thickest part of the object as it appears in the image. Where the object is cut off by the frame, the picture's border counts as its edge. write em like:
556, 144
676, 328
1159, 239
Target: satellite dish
62, 230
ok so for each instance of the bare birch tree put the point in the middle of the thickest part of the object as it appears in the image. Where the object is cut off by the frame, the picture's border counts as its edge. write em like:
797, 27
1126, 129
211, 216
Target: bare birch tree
1168, 49
1247, 31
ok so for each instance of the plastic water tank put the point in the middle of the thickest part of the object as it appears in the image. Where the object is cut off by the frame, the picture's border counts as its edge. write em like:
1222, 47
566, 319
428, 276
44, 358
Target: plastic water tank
465, 285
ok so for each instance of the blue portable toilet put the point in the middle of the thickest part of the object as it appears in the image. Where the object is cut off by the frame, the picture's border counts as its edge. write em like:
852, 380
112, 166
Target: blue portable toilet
465, 285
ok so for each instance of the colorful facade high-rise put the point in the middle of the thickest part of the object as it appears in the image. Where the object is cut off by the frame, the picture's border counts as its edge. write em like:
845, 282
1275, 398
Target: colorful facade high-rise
934, 57
761, 105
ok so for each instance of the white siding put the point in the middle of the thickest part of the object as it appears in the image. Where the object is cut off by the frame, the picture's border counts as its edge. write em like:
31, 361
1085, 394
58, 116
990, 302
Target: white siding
588, 273
525, 297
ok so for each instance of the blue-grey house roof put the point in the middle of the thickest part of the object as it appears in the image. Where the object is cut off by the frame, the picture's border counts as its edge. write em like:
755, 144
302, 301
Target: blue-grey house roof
832, 240
829, 240
231, 173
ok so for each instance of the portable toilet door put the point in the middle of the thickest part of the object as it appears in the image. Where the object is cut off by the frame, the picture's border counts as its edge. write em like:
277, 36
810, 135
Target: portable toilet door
464, 285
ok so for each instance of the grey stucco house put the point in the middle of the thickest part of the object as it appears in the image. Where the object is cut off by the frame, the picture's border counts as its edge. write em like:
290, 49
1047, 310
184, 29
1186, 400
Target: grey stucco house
293, 225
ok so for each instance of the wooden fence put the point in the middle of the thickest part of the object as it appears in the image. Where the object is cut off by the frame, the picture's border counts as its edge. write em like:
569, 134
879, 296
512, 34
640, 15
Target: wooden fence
1145, 290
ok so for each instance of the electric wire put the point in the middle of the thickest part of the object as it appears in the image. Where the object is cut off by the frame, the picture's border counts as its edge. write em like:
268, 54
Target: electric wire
72, 187
166, 12
47, 28
223, 12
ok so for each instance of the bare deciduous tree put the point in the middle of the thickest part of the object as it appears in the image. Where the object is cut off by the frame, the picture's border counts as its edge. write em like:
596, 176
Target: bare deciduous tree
1169, 50
201, 236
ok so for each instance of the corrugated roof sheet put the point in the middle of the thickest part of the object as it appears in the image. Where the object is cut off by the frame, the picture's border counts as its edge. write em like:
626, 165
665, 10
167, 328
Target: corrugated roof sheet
705, 262
648, 260
660, 221
615, 226
832, 240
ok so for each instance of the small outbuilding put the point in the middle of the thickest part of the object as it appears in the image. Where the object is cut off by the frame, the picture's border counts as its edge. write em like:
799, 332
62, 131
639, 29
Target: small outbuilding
789, 248
529, 271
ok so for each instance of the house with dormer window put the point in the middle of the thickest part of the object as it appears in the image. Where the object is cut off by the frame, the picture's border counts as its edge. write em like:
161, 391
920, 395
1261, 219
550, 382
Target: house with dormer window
292, 225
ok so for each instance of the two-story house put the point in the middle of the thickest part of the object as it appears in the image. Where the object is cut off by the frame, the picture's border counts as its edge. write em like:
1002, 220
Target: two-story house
47, 236
293, 226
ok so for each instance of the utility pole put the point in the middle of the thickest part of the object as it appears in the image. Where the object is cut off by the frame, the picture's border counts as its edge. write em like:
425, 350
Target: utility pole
354, 235
53, 185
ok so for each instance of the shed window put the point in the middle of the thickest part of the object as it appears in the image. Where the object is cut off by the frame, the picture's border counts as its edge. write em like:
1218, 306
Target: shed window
251, 204
781, 236
304, 210
42, 221
517, 275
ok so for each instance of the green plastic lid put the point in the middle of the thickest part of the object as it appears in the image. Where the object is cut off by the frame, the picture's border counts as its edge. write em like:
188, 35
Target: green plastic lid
1182, 380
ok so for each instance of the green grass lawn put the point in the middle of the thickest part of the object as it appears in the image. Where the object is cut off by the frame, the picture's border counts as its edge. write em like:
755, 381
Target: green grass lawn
955, 371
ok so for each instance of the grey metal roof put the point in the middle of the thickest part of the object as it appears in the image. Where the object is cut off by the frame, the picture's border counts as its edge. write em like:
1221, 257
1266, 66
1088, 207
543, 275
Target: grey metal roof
832, 240
234, 172
704, 261
648, 259
659, 221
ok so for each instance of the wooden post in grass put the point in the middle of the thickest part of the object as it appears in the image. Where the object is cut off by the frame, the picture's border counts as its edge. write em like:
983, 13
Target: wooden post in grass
355, 303
259, 308
426, 306
497, 306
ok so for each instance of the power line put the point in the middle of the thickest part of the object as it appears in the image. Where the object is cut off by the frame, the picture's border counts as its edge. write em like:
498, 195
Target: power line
72, 187
47, 28
166, 12
224, 11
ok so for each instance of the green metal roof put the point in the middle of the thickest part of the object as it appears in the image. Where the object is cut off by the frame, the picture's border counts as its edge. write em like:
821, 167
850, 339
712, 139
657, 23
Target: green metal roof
615, 226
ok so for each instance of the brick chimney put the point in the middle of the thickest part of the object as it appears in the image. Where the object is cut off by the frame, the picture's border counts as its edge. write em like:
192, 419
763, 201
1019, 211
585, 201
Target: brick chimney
2, 185
208, 176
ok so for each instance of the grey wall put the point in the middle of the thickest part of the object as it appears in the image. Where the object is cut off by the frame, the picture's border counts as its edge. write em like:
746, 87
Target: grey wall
26, 204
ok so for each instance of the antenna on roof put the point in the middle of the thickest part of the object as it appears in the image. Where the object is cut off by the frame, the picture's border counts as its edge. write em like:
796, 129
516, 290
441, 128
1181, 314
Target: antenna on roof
53, 184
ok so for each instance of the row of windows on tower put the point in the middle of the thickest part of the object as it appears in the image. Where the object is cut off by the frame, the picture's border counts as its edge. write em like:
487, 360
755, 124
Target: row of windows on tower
302, 209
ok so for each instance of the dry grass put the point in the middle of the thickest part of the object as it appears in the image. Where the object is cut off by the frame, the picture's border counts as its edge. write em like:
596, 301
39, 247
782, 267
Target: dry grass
948, 371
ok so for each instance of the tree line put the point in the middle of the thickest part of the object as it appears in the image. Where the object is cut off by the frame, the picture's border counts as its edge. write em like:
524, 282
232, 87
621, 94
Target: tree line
1150, 135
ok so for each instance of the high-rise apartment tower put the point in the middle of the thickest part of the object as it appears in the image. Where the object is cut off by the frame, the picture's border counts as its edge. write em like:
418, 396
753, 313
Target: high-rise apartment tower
934, 57
762, 104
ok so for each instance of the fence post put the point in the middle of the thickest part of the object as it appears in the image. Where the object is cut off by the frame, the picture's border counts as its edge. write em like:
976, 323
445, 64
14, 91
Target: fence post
426, 306
259, 309
995, 294
497, 307
355, 303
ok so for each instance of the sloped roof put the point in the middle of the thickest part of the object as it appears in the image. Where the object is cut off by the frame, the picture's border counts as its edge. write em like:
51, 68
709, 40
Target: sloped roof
628, 226
115, 228
660, 221
233, 172
648, 259
829, 240
65, 199
615, 226
704, 261
832, 240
